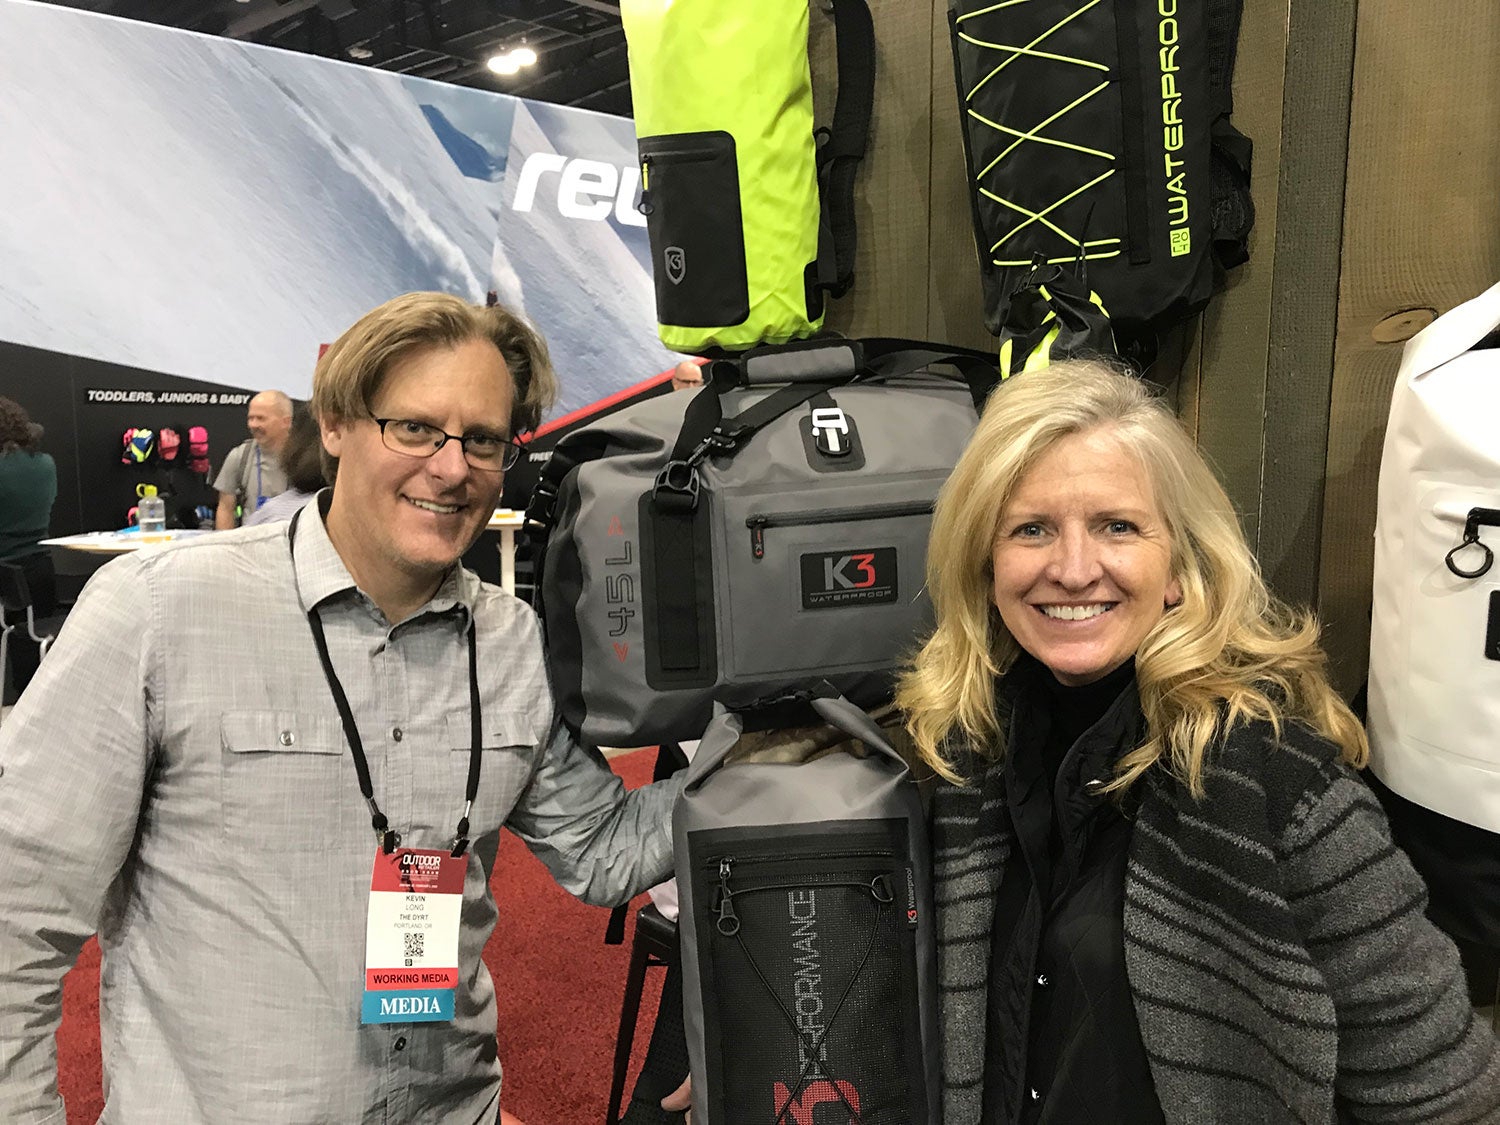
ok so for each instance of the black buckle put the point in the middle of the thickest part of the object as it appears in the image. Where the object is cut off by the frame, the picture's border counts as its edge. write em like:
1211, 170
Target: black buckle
539, 509
676, 486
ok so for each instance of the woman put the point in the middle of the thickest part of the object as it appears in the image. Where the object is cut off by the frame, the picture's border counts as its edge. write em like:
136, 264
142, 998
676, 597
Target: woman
28, 487
1162, 891
28, 484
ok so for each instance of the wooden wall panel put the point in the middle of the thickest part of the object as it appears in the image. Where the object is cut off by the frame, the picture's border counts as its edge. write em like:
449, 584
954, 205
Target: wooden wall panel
1223, 389
915, 272
955, 302
1421, 228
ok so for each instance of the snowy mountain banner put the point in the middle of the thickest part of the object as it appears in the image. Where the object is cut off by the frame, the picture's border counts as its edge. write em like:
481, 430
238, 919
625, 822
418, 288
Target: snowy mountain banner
216, 210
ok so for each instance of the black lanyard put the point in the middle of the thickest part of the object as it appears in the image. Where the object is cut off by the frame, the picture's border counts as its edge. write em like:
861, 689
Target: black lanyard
389, 838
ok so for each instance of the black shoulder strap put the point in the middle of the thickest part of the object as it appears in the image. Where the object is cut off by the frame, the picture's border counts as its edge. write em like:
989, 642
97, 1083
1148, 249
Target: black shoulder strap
1232, 210
1222, 27
842, 146
566, 456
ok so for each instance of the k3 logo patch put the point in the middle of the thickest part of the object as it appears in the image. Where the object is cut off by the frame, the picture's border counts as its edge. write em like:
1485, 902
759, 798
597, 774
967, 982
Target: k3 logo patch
839, 578
675, 259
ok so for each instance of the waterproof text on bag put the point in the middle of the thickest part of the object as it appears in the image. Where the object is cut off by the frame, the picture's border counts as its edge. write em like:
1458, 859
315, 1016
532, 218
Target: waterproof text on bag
809, 982
729, 544
750, 215
1097, 136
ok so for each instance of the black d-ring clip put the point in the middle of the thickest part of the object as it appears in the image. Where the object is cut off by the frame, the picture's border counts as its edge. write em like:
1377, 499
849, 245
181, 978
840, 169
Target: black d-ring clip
1477, 518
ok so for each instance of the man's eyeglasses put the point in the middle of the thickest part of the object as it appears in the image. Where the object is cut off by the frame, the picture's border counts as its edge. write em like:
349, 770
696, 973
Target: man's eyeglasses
418, 439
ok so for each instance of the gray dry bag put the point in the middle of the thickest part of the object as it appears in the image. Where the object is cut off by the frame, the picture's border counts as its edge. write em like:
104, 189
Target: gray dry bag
809, 971
764, 532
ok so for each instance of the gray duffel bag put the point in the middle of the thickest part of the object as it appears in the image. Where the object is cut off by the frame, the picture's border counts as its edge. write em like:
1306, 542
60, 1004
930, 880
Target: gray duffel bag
766, 531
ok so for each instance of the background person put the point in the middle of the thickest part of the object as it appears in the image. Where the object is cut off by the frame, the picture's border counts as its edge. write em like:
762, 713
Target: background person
1162, 891
216, 830
302, 460
687, 375
252, 472
28, 489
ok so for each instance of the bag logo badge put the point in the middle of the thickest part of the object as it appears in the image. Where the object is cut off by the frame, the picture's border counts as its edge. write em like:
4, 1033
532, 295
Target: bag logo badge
830, 431
800, 1110
841, 578
675, 259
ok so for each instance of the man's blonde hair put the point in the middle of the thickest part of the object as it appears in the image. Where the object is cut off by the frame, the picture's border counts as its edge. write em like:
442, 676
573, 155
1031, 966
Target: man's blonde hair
1228, 651
350, 372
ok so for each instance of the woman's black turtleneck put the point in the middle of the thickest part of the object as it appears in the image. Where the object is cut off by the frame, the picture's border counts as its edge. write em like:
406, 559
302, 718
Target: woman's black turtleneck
1062, 1042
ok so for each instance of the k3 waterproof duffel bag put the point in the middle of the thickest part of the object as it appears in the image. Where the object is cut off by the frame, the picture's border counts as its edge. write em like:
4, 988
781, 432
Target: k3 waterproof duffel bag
726, 545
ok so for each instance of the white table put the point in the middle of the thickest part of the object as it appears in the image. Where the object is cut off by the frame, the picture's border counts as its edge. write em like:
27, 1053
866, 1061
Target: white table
119, 542
506, 521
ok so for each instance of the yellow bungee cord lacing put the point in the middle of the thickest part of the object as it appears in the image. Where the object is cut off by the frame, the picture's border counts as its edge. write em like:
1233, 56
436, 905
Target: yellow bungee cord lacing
1082, 249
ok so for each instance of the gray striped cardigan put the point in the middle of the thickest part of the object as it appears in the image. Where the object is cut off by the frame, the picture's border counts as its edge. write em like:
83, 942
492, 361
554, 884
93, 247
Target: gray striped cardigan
1279, 959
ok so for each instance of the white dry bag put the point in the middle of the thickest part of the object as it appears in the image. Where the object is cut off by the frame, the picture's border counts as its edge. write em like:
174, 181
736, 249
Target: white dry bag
1435, 633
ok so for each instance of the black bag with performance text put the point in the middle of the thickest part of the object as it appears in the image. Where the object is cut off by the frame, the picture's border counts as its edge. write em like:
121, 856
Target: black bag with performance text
808, 943
1097, 138
736, 542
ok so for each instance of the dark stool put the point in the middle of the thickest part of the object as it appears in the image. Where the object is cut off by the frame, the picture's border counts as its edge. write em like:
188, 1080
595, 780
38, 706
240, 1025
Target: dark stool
28, 609
654, 943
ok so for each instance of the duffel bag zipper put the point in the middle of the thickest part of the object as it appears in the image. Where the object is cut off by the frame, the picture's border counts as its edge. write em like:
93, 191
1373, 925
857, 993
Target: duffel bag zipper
759, 522
879, 886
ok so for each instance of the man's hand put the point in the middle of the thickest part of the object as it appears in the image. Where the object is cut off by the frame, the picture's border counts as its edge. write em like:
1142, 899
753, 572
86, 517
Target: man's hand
680, 1099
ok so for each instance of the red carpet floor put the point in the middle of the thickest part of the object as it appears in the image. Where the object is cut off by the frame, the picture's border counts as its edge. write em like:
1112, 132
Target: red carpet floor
559, 986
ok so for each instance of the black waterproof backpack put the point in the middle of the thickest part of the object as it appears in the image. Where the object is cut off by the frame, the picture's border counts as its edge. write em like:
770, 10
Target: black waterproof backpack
1098, 140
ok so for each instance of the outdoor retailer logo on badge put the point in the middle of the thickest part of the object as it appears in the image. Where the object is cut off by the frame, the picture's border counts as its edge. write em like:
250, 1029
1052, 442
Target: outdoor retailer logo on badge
675, 260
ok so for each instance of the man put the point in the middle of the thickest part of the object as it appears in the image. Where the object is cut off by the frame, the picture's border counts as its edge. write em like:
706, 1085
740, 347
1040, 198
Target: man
216, 830
252, 472
687, 375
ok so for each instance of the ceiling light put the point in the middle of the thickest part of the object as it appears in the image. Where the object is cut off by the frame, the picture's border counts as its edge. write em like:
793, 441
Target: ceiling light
360, 51
524, 55
504, 64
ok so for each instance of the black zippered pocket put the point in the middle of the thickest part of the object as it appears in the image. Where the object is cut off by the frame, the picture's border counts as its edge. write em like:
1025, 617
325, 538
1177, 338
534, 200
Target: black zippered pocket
760, 521
807, 954
690, 195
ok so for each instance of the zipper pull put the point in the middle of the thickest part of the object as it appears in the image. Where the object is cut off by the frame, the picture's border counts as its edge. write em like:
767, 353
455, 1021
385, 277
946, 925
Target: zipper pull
757, 526
645, 206
729, 923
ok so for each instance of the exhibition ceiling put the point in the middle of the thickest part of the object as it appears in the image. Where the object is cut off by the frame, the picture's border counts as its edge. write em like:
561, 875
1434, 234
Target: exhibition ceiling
578, 44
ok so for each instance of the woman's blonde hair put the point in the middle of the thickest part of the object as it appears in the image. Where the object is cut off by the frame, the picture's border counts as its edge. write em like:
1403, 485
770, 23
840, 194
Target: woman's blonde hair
1228, 651
350, 372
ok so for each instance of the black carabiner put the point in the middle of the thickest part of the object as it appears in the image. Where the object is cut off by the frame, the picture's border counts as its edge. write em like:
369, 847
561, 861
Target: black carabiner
1477, 518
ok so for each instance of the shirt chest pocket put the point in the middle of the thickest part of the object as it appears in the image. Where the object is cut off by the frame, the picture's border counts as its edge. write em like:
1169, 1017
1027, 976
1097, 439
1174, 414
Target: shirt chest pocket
506, 758
286, 776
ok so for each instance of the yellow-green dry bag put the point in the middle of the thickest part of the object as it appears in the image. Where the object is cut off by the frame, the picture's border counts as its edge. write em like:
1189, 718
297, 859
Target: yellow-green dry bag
748, 207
